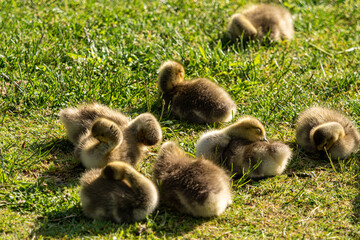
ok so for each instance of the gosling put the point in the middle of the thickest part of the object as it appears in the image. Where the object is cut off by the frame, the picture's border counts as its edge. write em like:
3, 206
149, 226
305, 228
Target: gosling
198, 100
103, 135
242, 146
257, 21
212, 144
323, 130
194, 186
117, 193
259, 159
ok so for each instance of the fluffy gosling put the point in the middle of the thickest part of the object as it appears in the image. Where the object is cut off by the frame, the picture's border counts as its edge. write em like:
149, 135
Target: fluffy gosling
257, 21
117, 193
198, 100
272, 157
194, 186
242, 145
320, 129
103, 135
212, 144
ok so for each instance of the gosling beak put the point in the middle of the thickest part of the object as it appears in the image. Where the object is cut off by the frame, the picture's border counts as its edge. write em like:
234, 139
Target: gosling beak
264, 139
321, 148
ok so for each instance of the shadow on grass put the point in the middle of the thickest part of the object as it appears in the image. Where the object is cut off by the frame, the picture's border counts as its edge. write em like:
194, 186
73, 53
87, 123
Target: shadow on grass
356, 207
241, 45
64, 175
227, 43
55, 146
70, 224
302, 161
306, 162
64, 170
356, 200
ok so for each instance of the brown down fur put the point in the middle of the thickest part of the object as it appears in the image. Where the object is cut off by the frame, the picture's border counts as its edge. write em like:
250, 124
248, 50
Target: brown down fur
242, 145
194, 186
256, 21
118, 193
198, 100
319, 128
103, 135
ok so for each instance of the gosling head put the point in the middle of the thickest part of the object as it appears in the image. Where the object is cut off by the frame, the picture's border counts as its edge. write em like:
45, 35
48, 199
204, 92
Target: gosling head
248, 128
326, 135
171, 73
240, 25
106, 130
114, 170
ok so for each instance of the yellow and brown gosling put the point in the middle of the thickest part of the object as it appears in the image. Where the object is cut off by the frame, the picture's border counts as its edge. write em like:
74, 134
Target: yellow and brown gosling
212, 144
242, 145
256, 21
103, 135
320, 129
272, 157
198, 100
117, 193
194, 186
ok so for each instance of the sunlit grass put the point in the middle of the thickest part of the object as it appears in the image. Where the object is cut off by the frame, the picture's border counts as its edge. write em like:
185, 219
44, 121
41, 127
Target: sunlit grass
55, 54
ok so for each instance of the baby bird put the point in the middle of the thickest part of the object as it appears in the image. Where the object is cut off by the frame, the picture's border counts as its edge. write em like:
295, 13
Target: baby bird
212, 144
242, 145
103, 135
320, 129
272, 157
198, 100
194, 186
118, 193
78, 120
258, 20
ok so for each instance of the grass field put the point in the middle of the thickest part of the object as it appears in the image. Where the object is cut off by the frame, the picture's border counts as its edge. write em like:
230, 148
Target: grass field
55, 54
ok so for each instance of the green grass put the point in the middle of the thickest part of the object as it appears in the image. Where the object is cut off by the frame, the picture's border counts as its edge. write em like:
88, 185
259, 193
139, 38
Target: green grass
55, 54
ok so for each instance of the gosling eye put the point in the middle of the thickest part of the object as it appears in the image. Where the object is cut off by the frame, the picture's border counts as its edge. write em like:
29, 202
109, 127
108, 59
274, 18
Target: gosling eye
258, 130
